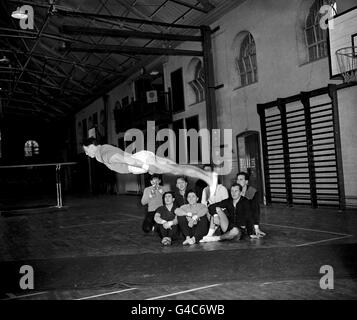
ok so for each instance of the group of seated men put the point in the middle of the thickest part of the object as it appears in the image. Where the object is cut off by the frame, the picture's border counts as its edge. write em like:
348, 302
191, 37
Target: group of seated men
199, 216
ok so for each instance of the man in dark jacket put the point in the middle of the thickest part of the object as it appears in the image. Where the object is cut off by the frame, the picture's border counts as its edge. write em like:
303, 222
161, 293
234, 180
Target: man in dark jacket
166, 219
181, 191
229, 216
251, 194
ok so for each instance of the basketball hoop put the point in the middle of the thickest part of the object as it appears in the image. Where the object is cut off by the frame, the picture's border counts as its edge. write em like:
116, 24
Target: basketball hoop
347, 62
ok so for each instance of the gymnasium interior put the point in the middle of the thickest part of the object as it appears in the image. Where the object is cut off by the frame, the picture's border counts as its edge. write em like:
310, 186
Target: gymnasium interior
273, 82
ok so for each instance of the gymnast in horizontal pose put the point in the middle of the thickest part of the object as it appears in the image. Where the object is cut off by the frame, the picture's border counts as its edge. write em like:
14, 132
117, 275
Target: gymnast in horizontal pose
144, 161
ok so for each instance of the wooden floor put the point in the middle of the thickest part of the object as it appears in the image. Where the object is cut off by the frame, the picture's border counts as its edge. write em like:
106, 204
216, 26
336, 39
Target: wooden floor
109, 227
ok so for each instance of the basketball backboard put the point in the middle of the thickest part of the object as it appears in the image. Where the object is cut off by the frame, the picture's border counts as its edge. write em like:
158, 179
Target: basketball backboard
342, 33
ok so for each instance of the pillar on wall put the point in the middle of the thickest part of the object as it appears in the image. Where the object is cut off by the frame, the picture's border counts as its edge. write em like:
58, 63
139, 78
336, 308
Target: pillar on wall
107, 126
209, 83
286, 154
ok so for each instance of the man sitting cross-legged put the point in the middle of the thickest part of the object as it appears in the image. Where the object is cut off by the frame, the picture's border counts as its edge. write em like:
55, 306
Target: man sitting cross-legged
192, 219
166, 219
228, 216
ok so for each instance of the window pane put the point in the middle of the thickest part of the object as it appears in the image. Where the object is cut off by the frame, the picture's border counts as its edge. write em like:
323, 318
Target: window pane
255, 75
241, 66
322, 49
31, 148
247, 64
313, 53
319, 33
243, 80
310, 36
253, 59
315, 35
250, 77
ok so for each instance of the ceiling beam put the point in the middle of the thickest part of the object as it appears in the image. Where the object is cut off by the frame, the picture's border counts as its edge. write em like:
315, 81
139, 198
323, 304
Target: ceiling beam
126, 34
28, 59
33, 93
45, 86
40, 105
12, 112
135, 50
124, 19
206, 4
33, 35
51, 114
205, 9
50, 97
41, 78
76, 83
131, 9
79, 65
35, 4
6, 69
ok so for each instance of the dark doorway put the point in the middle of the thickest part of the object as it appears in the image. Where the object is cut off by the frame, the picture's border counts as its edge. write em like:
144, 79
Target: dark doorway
193, 123
248, 149
176, 126
178, 100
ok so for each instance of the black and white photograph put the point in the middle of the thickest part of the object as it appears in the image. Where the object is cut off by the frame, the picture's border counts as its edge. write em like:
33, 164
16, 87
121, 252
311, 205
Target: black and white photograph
178, 155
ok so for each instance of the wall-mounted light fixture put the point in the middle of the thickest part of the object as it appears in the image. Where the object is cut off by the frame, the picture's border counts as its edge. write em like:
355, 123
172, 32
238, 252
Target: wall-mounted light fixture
19, 14
4, 60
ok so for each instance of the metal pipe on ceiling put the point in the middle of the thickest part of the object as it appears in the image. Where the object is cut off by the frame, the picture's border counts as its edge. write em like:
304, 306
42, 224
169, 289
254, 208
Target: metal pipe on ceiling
43, 34
45, 86
35, 45
117, 33
125, 19
188, 5
136, 50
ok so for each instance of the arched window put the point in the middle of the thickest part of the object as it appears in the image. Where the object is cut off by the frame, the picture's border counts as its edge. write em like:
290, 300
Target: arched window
31, 148
315, 36
197, 81
246, 61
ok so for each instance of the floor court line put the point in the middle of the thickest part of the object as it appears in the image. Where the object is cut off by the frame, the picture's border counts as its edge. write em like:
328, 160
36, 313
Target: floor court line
320, 241
26, 295
132, 216
306, 229
182, 292
93, 223
105, 294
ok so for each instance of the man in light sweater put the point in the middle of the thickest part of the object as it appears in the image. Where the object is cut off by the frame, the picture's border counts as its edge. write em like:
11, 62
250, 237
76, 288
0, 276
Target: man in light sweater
192, 219
152, 197
220, 194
